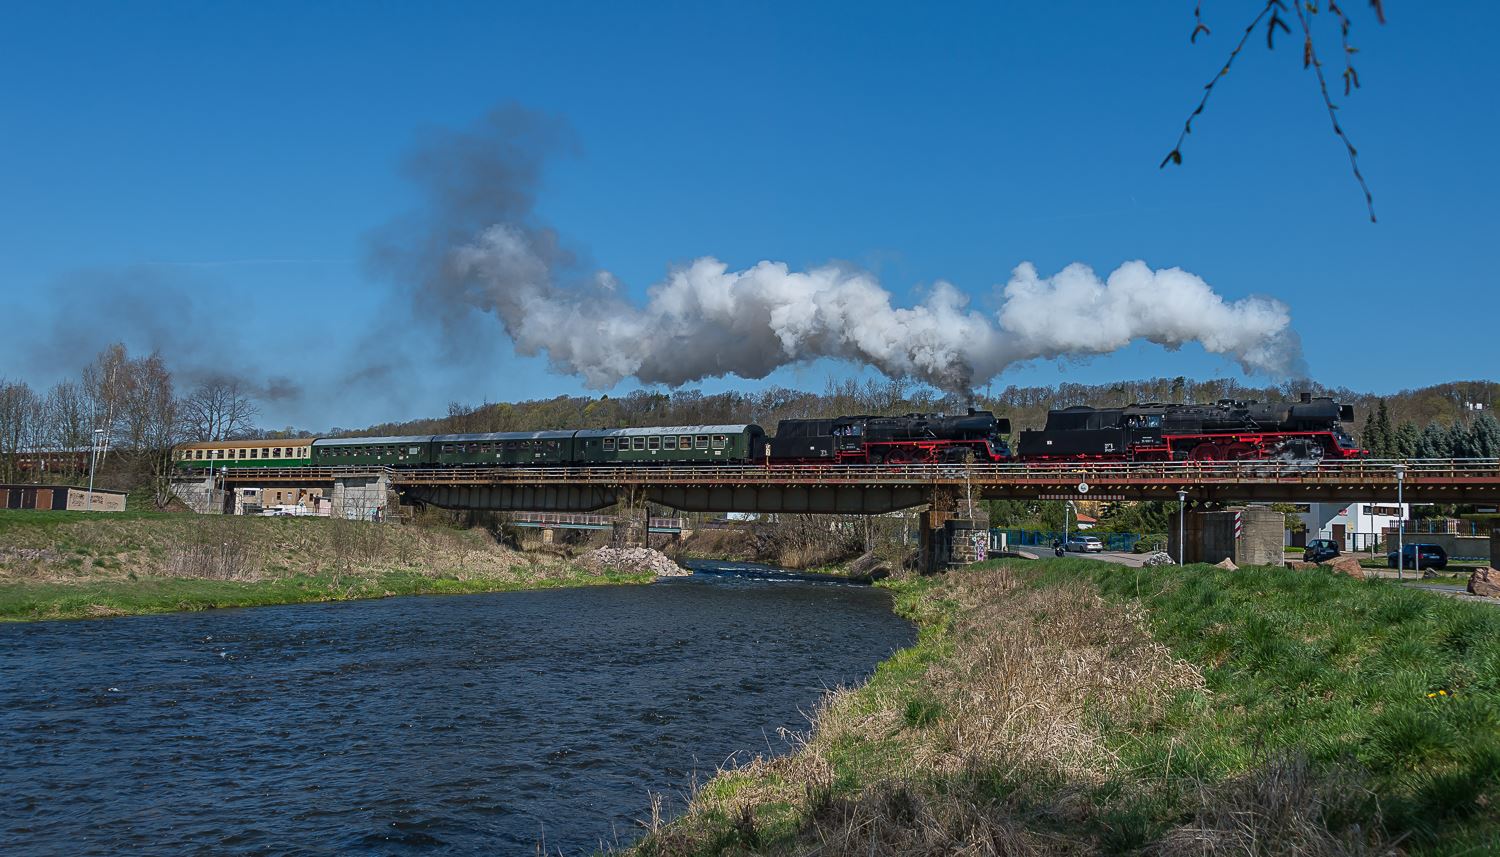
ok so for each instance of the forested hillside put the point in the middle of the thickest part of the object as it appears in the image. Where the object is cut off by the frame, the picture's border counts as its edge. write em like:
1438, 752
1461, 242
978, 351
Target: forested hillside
1443, 405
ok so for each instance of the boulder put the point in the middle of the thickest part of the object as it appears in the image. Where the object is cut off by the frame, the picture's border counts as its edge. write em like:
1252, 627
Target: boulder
1345, 565
1485, 582
1227, 564
1428, 573
1159, 558
1299, 565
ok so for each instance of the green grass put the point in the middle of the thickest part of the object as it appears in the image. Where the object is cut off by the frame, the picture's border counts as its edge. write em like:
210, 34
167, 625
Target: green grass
1395, 684
33, 601
13, 520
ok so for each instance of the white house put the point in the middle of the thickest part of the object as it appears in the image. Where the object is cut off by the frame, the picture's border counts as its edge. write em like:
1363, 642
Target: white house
1352, 526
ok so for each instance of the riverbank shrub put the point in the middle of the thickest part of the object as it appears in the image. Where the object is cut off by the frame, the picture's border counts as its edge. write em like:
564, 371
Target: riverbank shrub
1075, 707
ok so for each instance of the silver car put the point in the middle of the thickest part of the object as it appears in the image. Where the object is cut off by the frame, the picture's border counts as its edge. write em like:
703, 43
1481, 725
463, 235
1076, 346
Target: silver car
1085, 544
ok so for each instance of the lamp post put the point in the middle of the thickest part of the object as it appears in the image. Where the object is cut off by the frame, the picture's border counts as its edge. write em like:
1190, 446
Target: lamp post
1401, 520
1067, 525
93, 463
1181, 524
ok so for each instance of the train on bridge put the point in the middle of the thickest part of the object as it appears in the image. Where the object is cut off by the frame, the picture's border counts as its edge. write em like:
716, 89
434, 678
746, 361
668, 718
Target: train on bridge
1308, 430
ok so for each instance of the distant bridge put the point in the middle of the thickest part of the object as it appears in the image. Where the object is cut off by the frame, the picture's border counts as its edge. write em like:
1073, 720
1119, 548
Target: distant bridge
877, 489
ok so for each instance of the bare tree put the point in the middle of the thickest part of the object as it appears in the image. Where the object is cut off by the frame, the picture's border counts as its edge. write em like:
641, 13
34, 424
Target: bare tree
220, 408
17, 410
103, 389
148, 422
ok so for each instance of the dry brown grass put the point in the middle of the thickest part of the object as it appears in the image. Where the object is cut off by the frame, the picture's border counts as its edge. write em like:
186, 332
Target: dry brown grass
256, 549
1005, 699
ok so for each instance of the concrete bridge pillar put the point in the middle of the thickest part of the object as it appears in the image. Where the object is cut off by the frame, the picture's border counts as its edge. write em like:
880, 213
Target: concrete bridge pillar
953, 532
632, 523
1247, 535
361, 498
200, 495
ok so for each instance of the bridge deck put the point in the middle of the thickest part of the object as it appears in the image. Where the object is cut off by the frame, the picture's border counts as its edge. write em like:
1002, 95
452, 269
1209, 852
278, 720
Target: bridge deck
1448, 481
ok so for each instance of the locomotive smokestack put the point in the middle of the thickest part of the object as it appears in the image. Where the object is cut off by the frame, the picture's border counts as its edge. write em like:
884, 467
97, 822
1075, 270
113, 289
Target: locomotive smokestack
1306, 398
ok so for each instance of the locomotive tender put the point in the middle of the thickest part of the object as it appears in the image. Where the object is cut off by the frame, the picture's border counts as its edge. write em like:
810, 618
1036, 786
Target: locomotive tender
1228, 430
1307, 430
914, 438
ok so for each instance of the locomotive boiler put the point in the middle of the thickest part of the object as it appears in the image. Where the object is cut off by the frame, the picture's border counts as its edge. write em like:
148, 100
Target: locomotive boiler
1227, 430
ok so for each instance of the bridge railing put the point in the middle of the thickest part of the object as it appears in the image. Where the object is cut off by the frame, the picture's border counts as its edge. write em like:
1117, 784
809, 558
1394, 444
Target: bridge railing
1364, 470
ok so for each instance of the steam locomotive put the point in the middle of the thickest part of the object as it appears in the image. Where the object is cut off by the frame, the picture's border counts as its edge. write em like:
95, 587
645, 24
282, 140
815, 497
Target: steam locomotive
1228, 430
910, 439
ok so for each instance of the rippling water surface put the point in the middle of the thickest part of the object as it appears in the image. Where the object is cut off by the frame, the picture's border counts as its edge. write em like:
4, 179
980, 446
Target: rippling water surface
479, 723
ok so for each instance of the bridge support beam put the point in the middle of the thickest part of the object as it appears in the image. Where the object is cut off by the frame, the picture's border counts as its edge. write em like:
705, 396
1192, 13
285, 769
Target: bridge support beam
952, 533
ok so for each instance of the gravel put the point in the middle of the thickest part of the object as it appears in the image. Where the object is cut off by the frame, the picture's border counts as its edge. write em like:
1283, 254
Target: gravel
633, 560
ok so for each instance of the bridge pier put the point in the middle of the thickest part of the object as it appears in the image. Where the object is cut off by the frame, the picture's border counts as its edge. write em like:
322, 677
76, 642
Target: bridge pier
952, 532
363, 498
632, 521
1246, 535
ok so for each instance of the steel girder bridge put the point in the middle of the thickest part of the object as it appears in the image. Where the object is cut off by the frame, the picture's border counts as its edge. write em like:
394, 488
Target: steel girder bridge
878, 489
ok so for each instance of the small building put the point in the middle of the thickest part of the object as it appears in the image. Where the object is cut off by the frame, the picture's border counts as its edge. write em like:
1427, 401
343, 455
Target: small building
61, 498
1351, 526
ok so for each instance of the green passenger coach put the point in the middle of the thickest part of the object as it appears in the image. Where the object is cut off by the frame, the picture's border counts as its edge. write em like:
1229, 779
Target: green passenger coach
405, 451
719, 444
505, 449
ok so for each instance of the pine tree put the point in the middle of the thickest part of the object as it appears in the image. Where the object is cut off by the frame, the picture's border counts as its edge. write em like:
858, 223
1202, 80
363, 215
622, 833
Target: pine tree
1461, 441
1434, 442
1384, 432
1406, 441
1486, 437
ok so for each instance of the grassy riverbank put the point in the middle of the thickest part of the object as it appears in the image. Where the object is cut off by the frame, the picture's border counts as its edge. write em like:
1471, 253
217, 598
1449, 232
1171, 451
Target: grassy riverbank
57, 565
1073, 707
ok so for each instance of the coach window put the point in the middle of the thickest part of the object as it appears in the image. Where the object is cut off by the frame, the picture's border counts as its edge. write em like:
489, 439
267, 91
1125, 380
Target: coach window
609, 444
242, 454
638, 442
685, 442
720, 441
700, 442
669, 442
653, 442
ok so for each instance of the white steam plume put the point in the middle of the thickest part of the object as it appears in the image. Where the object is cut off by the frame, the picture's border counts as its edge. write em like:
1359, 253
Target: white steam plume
479, 248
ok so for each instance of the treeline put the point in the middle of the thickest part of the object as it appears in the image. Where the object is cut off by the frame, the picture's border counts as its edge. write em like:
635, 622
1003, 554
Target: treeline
1458, 411
1478, 437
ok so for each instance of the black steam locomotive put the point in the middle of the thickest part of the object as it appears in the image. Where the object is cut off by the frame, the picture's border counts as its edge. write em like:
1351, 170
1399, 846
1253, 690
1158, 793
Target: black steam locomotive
914, 438
1228, 430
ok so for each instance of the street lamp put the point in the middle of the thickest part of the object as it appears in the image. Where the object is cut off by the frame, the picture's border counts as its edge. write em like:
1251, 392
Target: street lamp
1181, 524
93, 463
1401, 520
1067, 526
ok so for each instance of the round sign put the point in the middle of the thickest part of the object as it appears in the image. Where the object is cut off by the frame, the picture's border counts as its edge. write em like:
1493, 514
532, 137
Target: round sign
1083, 488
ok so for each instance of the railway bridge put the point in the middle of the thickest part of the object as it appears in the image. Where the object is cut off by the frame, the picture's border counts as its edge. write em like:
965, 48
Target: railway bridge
946, 490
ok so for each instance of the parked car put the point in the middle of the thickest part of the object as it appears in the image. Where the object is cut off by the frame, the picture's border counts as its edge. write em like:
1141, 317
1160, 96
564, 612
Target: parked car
1320, 550
1419, 556
1085, 544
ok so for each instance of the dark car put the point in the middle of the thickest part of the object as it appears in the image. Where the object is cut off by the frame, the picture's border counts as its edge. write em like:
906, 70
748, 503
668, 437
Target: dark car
1320, 550
1418, 557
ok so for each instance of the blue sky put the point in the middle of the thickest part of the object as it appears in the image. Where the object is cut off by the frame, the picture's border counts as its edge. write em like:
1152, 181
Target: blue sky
217, 169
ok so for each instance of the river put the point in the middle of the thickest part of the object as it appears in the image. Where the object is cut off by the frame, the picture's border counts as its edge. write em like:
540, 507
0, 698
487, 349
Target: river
457, 724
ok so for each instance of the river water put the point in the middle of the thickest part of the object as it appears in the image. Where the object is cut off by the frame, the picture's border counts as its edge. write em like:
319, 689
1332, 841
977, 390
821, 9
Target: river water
461, 724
